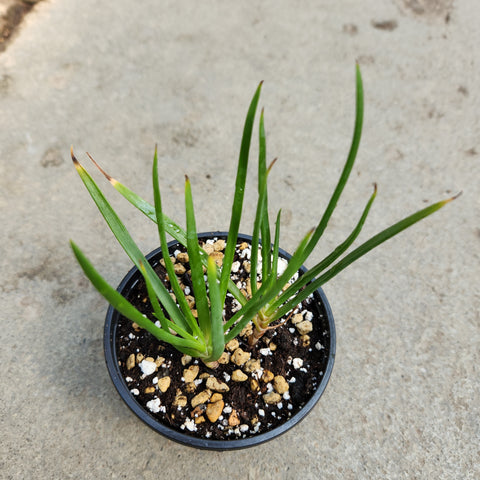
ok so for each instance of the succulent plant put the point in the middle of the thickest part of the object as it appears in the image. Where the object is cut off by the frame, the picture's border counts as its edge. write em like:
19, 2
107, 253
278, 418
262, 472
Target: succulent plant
273, 295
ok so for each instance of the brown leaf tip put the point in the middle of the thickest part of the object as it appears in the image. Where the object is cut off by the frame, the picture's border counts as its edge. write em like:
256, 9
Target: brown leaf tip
451, 199
74, 159
107, 176
457, 195
272, 163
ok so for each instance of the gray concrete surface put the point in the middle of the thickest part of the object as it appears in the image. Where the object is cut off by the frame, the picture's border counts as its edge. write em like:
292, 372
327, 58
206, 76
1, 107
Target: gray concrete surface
114, 78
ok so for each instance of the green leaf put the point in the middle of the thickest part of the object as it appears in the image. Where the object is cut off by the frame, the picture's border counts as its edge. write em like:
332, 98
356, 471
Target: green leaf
263, 199
171, 227
124, 307
322, 265
294, 264
146, 208
153, 299
131, 249
172, 276
363, 249
346, 169
216, 309
196, 266
305, 249
239, 194
276, 247
258, 225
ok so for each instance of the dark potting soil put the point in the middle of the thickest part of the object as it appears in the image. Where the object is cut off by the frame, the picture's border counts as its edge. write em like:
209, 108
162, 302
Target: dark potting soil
301, 361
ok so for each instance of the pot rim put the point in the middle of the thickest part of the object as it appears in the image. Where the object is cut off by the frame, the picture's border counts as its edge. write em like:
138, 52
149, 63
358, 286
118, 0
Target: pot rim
110, 330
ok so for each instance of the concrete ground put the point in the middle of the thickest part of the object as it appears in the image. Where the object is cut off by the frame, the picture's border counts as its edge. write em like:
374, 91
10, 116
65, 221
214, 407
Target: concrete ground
116, 78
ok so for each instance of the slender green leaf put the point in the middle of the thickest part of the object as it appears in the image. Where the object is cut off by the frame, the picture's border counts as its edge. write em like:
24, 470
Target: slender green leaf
363, 249
239, 194
260, 212
216, 308
131, 249
276, 246
263, 198
146, 208
346, 169
172, 276
153, 299
198, 280
167, 324
124, 307
171, 227
326, 262
293, 265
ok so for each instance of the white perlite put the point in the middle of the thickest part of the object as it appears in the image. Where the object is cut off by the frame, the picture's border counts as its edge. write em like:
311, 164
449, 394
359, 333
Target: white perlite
154, 405
190, 424
281, 266
297, 363
135, 391
236, 306
147, 367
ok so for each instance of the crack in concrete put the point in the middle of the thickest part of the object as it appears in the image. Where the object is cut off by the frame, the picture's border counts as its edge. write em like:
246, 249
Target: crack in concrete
12, 13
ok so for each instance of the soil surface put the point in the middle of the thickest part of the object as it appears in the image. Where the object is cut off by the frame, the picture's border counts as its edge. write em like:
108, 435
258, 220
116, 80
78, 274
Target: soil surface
241, 396
12, 13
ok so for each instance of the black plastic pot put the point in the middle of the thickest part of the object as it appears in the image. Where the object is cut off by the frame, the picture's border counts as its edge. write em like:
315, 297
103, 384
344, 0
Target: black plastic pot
110, 331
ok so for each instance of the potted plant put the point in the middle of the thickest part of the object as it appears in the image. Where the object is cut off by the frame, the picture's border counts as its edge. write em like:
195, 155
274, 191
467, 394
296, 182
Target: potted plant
221, 340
